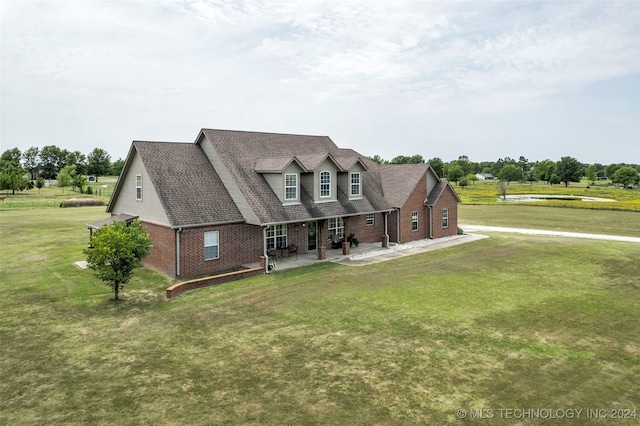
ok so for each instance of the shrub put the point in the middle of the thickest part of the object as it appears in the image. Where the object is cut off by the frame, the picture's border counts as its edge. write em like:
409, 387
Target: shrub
460, 231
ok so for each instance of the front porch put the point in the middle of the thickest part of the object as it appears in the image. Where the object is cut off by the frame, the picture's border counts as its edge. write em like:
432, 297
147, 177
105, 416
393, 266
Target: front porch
332, 255
367, 253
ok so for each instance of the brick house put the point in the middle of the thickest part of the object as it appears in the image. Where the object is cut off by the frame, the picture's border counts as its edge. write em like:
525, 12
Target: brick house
232, 197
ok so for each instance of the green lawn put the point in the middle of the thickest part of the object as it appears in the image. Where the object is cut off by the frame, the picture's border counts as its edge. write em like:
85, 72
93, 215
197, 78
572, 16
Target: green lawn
552, 218
501, 323
487, 192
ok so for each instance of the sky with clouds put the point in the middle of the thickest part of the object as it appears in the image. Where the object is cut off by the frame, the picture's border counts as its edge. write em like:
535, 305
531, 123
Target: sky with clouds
486, 79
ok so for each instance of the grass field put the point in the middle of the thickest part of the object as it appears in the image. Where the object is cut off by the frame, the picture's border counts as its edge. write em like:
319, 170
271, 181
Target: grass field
552, 218
508, 322
484, 192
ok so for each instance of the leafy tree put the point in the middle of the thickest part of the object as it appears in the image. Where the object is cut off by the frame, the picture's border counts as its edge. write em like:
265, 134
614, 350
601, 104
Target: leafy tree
625, 175
455, 172
377, 159
117, 250
31, 161
554, 179
437, 165
543, 170
569, 170
79, 160
12, 177
591, 172
524, 166
12, 156
39, 183
99, 162
413, 159
65, 177
117, 166
467, 166
498, 165
611, 169
510, 173
52, 160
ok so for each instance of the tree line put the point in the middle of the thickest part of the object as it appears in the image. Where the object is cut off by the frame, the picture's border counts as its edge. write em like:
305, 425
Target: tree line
29, 169
463, 171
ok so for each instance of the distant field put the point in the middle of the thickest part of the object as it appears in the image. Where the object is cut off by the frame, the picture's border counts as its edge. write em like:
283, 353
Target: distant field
52, 195
506, 322
562, 219
483, 192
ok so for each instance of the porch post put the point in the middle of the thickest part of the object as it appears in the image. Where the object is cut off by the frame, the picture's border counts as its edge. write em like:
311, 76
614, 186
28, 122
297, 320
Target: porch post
346, 246
322, 240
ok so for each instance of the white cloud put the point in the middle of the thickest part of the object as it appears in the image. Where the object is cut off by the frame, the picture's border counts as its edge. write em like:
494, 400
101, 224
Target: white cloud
139, 69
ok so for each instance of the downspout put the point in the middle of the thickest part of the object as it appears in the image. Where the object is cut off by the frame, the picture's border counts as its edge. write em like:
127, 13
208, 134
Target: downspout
386, 227
178, 232
264, 247
398, 226
430, 222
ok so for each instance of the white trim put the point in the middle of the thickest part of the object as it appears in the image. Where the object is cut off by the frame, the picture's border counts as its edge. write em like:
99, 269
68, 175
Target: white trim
328, 184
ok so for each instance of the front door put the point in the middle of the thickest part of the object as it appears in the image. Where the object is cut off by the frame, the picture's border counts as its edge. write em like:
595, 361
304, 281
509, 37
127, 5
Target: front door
312, 236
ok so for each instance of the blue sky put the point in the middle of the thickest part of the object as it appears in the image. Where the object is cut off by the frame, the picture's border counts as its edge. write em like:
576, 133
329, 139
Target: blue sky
440, 79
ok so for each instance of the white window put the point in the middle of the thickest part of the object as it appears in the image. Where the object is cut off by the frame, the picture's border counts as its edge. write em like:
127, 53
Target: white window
414, 221
276, 236
139, 187
355, 184
445, 218
370, 217
336, 227
325, 184
211, 245
290, 186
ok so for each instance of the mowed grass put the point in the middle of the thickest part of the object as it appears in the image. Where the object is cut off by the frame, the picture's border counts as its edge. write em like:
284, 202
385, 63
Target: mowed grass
488, 192
606, 222
500, 323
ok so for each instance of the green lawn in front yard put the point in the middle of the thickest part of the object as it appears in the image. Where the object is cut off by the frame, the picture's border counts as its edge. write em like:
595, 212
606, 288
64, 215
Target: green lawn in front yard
505, 322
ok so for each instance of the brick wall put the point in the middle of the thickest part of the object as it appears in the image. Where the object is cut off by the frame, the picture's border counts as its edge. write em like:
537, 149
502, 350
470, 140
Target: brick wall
365, 233
179, 288
446, 201
163, 253
239, 244
415, 202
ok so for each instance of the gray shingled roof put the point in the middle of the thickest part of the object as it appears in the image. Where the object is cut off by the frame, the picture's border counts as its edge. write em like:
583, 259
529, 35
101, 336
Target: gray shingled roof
192, 192
399, 181
241, 151
189, 188
437, 191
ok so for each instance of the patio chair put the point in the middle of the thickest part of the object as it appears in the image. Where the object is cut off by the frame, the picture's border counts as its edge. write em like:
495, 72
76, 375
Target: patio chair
292, 248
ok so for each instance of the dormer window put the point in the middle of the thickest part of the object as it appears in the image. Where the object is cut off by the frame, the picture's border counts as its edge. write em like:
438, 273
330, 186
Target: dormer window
290, 186
356, 189
325, 184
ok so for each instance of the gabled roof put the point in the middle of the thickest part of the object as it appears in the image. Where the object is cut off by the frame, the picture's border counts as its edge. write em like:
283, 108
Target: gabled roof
437, 191
239, 153
399, 181
275, 165
187, 185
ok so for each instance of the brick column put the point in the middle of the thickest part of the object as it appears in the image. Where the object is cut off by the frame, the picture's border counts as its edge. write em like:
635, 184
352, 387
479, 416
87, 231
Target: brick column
322, 240
346, 247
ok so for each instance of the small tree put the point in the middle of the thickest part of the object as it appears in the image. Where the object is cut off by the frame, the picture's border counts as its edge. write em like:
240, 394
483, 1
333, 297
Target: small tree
117, 250
503, 188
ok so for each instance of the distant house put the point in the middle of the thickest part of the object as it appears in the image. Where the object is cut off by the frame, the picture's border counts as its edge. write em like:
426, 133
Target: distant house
485, 176
232, 197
